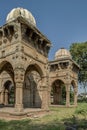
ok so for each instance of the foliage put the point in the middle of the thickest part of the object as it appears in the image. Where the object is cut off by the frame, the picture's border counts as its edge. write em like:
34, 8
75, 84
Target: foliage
83, 99
82, 110
79, 54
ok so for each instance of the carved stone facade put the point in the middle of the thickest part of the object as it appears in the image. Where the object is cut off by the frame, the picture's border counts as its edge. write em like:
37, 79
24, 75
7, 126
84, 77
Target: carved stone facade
26, 75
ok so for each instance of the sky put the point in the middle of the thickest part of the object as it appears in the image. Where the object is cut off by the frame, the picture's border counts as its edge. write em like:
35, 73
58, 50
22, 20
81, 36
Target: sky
63, 22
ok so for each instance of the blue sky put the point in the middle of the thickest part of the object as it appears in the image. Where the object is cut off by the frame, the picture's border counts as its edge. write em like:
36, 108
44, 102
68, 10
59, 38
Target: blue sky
62, 21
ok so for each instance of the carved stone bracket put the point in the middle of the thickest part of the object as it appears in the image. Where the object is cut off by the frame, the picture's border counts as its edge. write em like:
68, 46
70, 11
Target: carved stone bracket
19, 74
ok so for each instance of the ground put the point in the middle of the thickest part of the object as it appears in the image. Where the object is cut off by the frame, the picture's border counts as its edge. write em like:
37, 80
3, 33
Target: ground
56, 119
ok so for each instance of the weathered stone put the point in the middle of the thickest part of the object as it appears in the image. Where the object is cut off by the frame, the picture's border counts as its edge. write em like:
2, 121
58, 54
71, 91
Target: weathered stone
26, 75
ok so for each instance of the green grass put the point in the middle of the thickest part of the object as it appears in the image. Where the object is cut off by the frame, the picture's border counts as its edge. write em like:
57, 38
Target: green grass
53, 121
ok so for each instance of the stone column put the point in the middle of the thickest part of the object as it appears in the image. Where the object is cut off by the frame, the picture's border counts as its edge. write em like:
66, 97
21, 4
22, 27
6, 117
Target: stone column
67, 95
45, 92
75, 96
6, 97
19, 81
49, 97
45, 98
2, 97
19, 96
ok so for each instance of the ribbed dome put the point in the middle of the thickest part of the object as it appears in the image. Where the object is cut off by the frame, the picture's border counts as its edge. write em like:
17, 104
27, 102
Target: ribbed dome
17, 12
62, 53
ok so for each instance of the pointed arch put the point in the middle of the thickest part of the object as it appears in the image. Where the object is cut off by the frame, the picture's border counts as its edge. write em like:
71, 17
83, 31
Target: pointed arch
58, 92
7, 66
35, 67
7, 76
32, 95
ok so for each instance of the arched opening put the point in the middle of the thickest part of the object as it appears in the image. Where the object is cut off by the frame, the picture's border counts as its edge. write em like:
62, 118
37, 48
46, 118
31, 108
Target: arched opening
9, 93
6, 84
32, 94
58, 93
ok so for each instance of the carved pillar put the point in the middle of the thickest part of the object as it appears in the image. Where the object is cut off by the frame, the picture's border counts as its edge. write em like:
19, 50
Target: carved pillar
49, 97
2, 97
75, 96
67, 95
59, 66
19, 80
30, 35
19, 96
45, 93
45, 98
6, 97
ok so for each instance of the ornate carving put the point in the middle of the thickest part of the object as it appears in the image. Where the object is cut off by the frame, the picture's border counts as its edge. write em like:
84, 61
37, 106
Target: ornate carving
19, 75
15, 35
8, 32
15, 31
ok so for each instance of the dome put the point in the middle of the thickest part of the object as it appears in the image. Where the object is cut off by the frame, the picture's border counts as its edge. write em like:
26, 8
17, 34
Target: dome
62, 53
16, 12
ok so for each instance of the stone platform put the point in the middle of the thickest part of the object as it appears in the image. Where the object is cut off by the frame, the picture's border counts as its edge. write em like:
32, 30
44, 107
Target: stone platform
11, 113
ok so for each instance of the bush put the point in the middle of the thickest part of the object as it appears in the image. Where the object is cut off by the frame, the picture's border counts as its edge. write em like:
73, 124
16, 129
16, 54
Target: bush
82, 110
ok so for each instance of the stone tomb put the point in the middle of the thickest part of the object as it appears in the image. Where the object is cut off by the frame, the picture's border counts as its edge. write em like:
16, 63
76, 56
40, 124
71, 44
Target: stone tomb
27, 79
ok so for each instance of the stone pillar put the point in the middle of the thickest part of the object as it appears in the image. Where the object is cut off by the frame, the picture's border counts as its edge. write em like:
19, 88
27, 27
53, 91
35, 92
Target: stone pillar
19, 96
45, 98
75, 97
2, 97
19, 80
49, 97
6, 97
67, 95
45, 93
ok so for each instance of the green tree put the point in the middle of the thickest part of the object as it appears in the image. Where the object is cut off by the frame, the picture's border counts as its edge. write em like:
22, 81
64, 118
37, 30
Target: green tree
79, 54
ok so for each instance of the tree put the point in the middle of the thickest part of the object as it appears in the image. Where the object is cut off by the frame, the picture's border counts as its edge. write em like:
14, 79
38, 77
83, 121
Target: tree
79, 54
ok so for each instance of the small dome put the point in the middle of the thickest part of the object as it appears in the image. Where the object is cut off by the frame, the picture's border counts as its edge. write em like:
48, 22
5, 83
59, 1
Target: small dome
62, 53
16, 12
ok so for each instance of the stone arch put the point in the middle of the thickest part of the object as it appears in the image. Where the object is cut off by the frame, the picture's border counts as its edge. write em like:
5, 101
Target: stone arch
58, 92
6, 68
34, 67
32, 94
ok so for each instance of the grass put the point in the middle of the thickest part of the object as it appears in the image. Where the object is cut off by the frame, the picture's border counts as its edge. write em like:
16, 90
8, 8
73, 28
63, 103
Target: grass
55, 120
